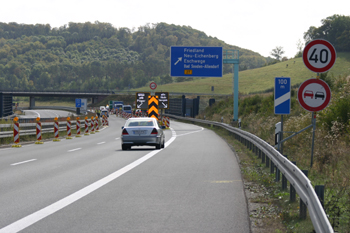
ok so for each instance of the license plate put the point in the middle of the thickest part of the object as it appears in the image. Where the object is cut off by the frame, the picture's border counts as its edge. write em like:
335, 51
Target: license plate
139, 131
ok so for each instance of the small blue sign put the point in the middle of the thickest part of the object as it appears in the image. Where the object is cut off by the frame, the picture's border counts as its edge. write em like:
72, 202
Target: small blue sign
196, 61
282, 95
78, 103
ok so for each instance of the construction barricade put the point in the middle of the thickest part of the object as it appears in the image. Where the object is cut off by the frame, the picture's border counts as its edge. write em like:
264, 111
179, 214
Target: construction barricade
92, 125
78, 127
86, 127
56, 130
38, 131
97, 125
16, 132
69, 129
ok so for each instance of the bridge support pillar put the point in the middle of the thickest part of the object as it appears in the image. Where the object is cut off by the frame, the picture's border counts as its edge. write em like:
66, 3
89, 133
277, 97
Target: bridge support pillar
31, 102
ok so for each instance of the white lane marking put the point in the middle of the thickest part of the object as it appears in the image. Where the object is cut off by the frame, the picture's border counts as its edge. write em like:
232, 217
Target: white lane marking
54, 112
74, 149
43, 213
191, 132
27, 161
117, 138
101, 143
34, 112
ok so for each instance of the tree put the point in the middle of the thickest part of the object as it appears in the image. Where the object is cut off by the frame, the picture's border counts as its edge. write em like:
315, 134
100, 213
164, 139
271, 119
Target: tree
300, 47
277, 52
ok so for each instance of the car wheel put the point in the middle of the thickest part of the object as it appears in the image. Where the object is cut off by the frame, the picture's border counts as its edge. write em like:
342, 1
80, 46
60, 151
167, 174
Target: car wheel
163, 144
124, 147
158, 146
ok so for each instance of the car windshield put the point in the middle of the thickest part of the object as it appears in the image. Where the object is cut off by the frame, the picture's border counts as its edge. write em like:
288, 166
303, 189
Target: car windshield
140, 123
127, 108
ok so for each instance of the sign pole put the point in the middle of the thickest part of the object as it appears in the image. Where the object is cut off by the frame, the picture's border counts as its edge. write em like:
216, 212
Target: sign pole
313, 120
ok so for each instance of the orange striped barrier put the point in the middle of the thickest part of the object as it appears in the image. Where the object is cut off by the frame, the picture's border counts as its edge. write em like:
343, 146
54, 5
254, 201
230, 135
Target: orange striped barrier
69, 129
56, 130
16, 132
78, 127
86, 126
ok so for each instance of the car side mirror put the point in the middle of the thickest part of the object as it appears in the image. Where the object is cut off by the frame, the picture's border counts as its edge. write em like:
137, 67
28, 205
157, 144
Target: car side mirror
122, 127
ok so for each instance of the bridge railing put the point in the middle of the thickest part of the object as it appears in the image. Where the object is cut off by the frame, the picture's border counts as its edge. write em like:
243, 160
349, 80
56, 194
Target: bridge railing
293, 174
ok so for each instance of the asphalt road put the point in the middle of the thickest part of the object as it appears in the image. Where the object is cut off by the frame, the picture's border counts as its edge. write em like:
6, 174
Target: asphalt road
44, 113
89, 184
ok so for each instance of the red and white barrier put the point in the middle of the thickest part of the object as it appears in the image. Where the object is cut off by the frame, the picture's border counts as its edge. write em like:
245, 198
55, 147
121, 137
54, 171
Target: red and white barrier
38, 131
56, 130
97, 125
78, 127
86, 126
16, 133
69, 129
92, 125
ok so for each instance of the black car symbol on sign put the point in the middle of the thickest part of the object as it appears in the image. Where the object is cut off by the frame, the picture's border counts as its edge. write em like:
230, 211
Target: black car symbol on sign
319, 94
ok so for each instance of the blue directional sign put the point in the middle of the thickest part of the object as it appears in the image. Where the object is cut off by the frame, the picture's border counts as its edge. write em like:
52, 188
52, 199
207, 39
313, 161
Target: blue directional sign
282, 95
196, 61
78, 103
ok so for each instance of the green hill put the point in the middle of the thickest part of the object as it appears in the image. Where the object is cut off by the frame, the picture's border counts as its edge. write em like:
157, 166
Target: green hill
257, 80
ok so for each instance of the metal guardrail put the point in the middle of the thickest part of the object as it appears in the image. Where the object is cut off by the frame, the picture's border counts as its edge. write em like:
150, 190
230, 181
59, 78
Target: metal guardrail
293, 174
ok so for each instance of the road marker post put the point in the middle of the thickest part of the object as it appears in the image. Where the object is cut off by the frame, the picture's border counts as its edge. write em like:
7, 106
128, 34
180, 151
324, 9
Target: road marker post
38, 131
16, 133
69, 131
86, 127
97, 125
92, 125
56, 130
78, 127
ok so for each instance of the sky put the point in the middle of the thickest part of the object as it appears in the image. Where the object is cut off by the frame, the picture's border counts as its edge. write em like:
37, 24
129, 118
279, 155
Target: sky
257, 25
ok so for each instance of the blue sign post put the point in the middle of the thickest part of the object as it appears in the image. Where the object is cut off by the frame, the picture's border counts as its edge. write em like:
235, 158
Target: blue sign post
78, 103
196, 61
282, 95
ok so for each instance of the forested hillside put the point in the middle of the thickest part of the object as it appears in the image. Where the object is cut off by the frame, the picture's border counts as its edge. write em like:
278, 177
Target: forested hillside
97, 56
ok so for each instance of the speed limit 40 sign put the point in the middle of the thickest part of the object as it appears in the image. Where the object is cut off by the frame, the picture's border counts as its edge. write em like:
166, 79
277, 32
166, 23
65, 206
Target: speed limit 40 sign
319, 56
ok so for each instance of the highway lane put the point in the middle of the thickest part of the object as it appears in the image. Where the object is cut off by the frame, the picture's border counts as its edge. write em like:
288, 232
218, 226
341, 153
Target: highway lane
193, 185
45, 113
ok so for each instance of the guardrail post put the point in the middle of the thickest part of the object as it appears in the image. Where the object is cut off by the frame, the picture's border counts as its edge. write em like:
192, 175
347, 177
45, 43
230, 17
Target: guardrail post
302, 212
319, 189
259, 153
272, 167
263, 157
284, 179
267, 161
278, 174
292, 192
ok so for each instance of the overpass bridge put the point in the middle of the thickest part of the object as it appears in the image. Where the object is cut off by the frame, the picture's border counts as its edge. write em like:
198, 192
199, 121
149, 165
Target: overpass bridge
6, 97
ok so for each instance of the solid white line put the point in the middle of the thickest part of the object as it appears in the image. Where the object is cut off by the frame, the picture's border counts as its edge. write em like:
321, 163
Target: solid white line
43, 213
191, 132
116, 138
101, 143
74, 149
27, 161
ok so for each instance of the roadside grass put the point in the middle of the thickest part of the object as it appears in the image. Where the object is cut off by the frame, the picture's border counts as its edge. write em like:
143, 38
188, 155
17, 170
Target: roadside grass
272, 209
256, 80
331, 146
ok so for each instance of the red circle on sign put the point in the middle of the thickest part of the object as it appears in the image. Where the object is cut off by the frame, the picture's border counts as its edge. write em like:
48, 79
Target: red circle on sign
304, 93
153, 85
314, 44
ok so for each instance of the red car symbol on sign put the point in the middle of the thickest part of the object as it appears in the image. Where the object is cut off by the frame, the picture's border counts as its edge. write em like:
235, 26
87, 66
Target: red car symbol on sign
309, 93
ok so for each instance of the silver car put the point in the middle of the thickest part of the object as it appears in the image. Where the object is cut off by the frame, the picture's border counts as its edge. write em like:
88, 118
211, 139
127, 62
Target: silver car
142, 132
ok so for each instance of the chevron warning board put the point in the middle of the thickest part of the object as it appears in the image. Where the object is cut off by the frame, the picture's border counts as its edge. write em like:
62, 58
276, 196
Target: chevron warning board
153, 106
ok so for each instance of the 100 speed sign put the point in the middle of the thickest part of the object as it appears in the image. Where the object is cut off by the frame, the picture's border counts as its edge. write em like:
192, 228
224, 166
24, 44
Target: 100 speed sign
319, 56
